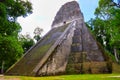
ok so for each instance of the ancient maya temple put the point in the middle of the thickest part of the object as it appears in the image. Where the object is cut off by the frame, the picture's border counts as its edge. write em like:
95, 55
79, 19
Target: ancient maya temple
68, 48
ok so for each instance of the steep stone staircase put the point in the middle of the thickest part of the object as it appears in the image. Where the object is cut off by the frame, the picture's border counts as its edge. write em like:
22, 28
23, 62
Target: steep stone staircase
76, 56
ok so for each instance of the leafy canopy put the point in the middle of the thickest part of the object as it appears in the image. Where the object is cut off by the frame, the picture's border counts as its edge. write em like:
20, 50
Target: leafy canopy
10, 47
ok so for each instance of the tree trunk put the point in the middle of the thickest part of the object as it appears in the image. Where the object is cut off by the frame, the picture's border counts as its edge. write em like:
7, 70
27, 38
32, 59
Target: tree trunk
115, 53
2, 70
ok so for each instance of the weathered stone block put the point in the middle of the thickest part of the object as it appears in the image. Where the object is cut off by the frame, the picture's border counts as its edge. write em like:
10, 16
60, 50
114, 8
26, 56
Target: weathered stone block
77, 32
76, 39
95, 67
76, 48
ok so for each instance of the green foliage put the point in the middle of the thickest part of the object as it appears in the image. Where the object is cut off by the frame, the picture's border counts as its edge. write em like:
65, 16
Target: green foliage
102, 11
106, 26
37, 37
17, 8
10, 50
26, 41
9, 28
37, 33
2, 10
10, 47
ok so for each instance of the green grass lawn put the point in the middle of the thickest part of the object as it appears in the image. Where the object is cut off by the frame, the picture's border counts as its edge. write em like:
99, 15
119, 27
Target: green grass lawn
66, 77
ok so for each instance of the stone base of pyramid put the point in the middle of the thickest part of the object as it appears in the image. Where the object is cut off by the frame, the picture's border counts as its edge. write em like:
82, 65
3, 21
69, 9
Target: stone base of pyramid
88, 68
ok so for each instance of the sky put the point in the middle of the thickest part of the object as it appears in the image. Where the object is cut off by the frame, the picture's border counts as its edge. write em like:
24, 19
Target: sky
44, 12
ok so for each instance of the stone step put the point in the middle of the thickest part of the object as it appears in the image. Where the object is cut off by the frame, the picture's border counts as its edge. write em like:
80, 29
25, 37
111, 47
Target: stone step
76, 48
76, 39
77, 32
74, 68
78, 57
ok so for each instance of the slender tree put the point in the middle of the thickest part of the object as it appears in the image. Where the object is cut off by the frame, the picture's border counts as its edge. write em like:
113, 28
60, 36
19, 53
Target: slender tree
37, 33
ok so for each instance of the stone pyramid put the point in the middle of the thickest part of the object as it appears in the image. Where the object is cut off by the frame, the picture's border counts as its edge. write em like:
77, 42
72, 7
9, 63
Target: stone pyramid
68, 48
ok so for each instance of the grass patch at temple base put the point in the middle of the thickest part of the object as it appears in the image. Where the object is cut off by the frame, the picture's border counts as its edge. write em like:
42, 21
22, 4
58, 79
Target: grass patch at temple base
66, 77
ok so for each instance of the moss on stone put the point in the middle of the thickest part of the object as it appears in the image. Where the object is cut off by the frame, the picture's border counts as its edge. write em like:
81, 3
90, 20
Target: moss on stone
29, 61
115, 68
